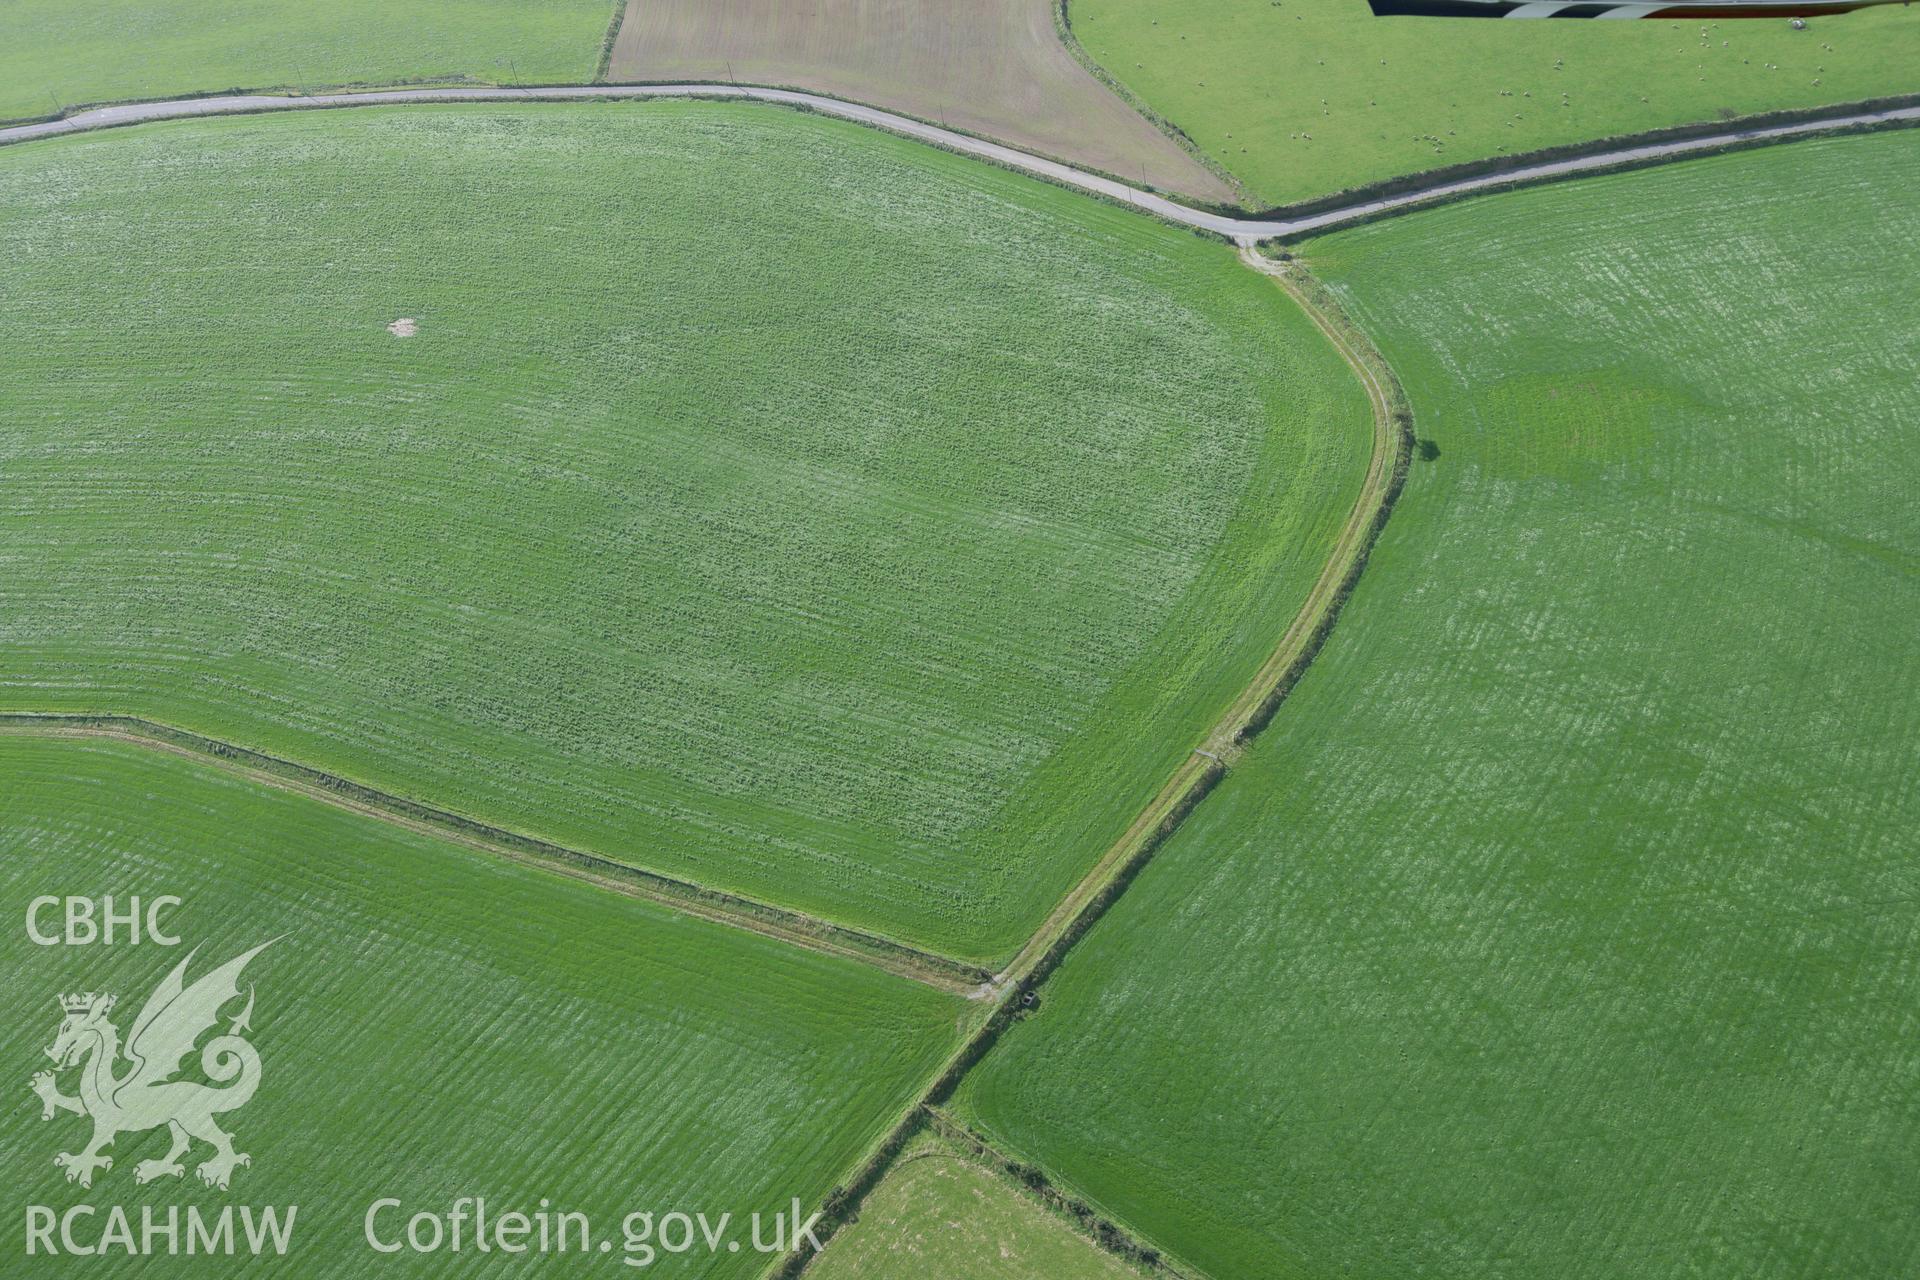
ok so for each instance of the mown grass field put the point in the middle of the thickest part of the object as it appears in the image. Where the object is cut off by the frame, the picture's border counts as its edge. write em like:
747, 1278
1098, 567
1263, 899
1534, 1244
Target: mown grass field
1563, 921
436, 1023
56, 56
1309, 97
762, 499
996, 68
941, 1216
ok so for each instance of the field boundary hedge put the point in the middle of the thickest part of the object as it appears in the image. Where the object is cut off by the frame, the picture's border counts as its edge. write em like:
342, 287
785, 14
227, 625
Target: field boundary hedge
1393, 413
1412, 184
1063, 27
1032, 1181
716, 905
604, 63
1015, 988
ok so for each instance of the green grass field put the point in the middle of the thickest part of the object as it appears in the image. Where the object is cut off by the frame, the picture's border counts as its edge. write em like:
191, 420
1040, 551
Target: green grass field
1563, 922
435, 1022
763, 499
57, 56
941, 1216
1303, 98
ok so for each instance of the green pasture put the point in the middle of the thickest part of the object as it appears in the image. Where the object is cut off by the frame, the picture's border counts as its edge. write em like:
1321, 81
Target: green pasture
434, 1023
762, 499
1303, 98
1563, 922
940, 1215
55, 56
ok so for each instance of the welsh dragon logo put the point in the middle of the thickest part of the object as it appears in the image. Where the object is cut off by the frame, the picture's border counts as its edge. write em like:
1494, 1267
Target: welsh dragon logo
145, 1096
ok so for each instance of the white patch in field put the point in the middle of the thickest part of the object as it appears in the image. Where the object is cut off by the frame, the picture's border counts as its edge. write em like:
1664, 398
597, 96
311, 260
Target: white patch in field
404, 327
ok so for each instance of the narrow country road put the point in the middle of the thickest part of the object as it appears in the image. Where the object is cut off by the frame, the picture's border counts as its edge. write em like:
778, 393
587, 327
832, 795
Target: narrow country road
1242, 231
